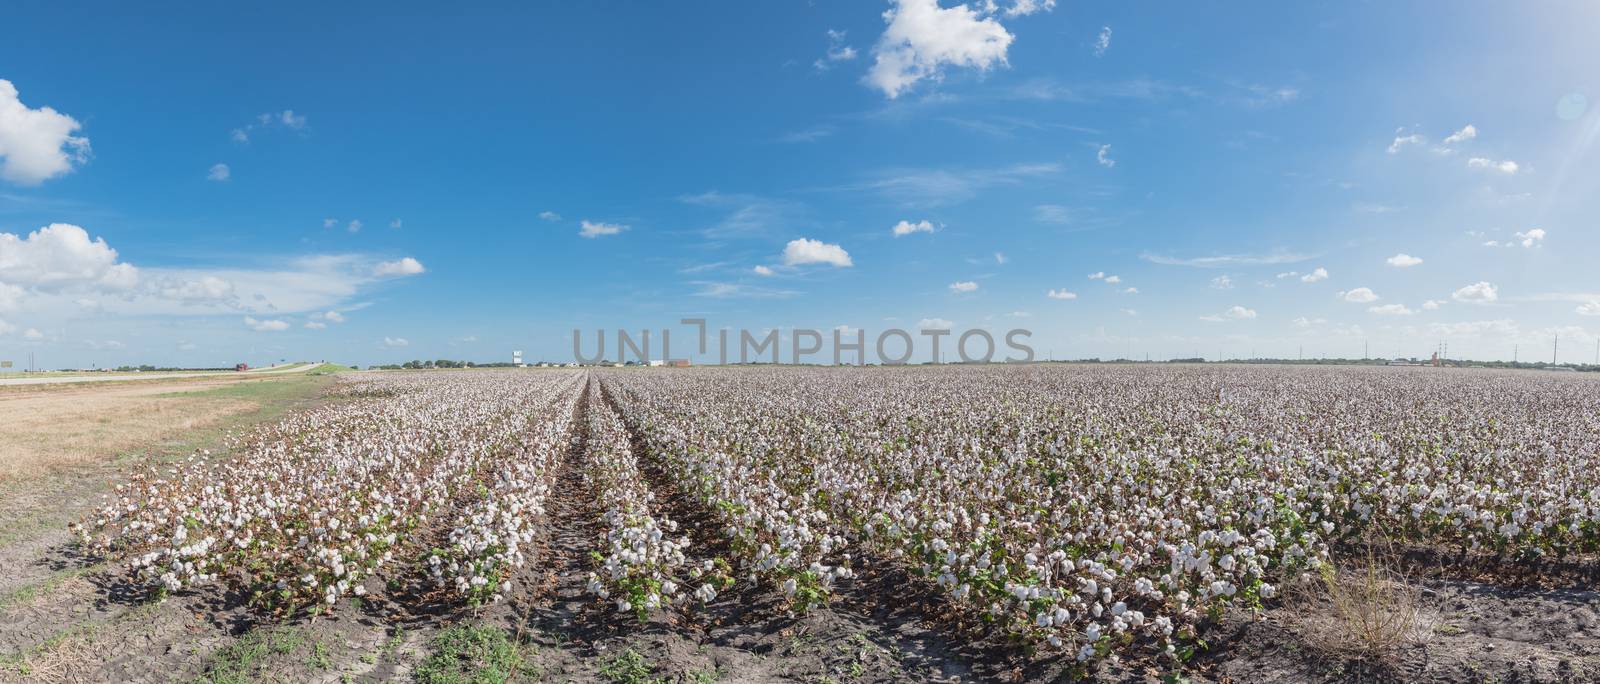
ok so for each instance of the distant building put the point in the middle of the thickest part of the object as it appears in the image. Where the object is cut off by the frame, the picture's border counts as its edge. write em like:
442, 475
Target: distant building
657, 363
516, 359
678, 363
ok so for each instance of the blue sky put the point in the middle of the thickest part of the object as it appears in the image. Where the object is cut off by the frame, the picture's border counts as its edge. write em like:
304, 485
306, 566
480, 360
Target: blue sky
183, 187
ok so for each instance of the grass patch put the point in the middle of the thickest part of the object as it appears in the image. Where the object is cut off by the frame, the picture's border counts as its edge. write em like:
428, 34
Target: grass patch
476, 654
239, 662
628, 667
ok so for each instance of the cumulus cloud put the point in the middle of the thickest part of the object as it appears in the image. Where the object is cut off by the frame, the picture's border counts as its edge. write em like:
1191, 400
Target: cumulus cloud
32, 334
1234, 313
354, 226
838, 51
1531, 238
36, 144
1391, 310
1400, 141
907, 228
1103, 157
762, 270
270, 325
286, 118
1589, 308
1466, 133
1131, 290
1505, 166
395, 342
1433, 304
1360, 295
314, 325
1103, 42
1112, 280
1062, 293
963, 286
61, 254
1097, 275
406, 266
1222, 282
934, 324
807, 251
549, 216
922, 38
1314, 276
219, 173
1480, 292
1403, 260
594, 229
396, 223
1022, 8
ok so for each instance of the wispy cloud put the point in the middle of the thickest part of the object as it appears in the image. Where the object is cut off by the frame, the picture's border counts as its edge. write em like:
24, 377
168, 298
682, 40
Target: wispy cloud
1226, 260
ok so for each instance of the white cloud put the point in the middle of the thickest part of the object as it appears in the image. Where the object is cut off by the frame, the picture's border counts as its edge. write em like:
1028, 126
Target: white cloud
1130, 312
1532, 238
1226, 260
1477, 293
1467, 132
1401, 141
32, 334
36, 144
1062, 293
354, 226
1103, 156
1022, 8
206, 288
1391, 310
1222, 282
1131, 290
762, 270
1360, 295
1097, 275
334, 316
594, 229
1112, 280
330, 222
1103, 42
1234, 313
400, 267
907, 227
271, 325
837, 51
1589, 308
286, 118
923, 37
60, 255
10, 297
807, 251
396, 223
1433, 304
394, 342
1403, 260
219, 172
1316, 275
1000, 258
1019, 314
549, 216
964, 286
934, 324
1507, 166
314, 325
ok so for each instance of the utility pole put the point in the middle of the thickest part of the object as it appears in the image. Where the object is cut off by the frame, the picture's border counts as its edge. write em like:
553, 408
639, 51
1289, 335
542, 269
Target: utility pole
1514, 350
1555, 349
1364, 354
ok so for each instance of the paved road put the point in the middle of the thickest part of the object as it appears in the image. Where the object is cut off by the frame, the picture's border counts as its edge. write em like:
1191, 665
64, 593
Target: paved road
155, 376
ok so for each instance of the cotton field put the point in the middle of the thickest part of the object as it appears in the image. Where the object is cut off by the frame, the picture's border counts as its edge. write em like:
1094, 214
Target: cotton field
1084, 514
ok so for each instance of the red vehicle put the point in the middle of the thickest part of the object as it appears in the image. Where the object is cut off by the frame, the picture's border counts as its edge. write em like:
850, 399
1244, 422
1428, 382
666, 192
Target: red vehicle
242, 367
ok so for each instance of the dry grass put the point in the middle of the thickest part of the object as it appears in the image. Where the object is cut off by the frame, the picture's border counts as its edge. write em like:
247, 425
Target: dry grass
1369, 609
67, 660
45, 431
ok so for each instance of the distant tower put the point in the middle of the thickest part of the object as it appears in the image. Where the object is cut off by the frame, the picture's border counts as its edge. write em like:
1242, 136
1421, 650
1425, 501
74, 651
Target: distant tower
516, 358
